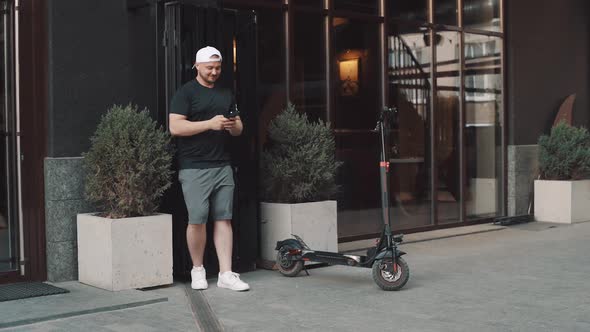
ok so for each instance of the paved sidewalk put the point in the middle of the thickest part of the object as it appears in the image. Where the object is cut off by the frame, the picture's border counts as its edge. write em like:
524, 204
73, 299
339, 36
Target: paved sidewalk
88, 309
533, 277
530, 277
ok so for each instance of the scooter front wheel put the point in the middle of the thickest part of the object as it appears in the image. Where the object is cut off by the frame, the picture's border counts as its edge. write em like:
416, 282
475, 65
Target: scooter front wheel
286, 265
390, 277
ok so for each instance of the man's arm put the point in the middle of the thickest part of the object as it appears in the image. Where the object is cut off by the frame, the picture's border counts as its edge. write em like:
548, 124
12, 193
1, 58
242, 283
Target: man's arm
180, 126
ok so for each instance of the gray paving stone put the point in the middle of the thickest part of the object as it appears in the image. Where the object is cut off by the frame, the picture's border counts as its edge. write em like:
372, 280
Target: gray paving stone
506, 280
527, 278
82, 300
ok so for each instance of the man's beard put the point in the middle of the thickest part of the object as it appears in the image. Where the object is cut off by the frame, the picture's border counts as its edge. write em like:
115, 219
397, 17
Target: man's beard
206, 79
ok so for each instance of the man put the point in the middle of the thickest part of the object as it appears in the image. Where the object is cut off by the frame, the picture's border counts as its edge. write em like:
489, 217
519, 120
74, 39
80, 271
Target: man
197, 118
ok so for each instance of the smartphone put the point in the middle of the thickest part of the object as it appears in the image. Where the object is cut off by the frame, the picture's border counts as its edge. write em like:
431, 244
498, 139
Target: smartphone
233, 111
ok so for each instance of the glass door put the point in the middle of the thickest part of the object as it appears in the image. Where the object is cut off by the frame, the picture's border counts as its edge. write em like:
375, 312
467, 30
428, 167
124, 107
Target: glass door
445, 79
409, 92
483, 125
8, 174
356, 96
187, 28
447, 129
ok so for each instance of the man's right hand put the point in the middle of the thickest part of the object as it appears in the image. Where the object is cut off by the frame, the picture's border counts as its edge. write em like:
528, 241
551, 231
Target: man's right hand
218, 122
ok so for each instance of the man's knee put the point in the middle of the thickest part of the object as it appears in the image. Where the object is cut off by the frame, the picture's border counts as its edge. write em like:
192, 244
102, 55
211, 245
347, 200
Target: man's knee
196, 227
223, 225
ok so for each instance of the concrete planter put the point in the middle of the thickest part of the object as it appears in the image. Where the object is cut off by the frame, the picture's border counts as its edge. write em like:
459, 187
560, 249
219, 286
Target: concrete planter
128, 253
562, 201
315, 223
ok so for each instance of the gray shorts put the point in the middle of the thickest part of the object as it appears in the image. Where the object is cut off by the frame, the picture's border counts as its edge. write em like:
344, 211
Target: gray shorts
208, 189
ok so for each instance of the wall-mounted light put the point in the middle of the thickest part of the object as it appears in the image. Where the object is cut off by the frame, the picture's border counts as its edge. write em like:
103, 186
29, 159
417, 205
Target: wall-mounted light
349, 77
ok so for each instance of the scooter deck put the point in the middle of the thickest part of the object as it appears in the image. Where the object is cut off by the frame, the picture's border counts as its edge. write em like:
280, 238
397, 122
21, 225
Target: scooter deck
334, 258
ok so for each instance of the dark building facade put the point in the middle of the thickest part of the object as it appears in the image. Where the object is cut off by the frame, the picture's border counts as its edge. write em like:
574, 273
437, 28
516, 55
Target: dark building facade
474, 83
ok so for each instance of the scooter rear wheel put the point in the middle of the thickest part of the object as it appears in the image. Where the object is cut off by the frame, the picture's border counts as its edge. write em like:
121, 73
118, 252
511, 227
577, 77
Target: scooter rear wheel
286, 265
385, 277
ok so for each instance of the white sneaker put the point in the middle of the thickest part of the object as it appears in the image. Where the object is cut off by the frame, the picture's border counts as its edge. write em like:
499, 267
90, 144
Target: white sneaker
231, 280
198, 278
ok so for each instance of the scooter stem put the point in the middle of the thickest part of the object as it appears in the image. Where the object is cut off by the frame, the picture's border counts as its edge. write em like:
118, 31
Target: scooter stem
383, 171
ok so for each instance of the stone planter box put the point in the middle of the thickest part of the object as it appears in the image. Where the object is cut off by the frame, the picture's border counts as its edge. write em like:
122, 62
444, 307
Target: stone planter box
128, 253
315, 223
562, 201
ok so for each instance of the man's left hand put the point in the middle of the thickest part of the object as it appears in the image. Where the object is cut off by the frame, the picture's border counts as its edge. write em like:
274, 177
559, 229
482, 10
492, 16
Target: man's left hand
234, 126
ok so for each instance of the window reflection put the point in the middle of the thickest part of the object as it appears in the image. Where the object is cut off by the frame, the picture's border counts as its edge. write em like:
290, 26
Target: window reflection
318, 4
8, 253
445, 12
447, 126
408, 10
357, 6
482, 14
4, 235
409, 91
271, 74
356, 85
355, 98
356, 95
483, 109
309, 69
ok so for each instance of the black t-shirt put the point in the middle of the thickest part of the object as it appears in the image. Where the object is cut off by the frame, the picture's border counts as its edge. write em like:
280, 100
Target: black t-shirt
199, 103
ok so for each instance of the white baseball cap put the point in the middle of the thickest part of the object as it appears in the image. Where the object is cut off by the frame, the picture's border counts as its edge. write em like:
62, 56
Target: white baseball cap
206, 53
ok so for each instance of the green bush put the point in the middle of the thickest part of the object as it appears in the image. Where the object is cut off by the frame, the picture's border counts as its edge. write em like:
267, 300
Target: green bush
128, 166
565, 153
299, 163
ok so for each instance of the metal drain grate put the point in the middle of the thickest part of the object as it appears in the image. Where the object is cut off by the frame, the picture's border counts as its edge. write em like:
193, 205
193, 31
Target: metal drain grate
25, 290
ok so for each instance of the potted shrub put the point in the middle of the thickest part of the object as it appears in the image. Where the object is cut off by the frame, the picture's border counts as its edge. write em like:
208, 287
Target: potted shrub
128, 167
563, 193
298, 169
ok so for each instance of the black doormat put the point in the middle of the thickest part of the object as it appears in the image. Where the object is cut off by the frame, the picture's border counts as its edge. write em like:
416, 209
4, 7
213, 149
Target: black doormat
25, 290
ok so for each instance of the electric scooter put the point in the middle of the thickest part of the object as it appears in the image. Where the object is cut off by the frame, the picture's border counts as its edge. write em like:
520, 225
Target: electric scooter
390, 270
